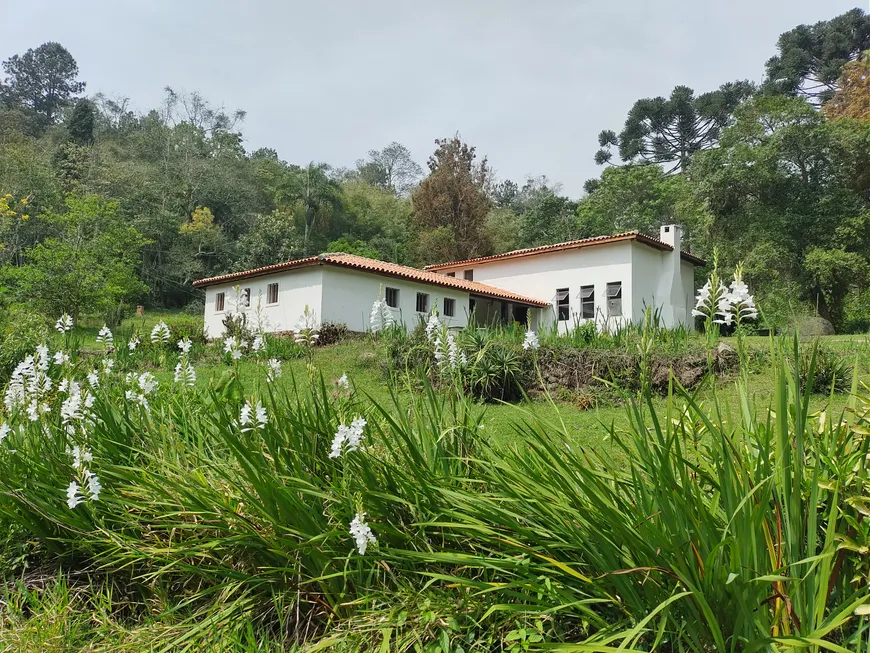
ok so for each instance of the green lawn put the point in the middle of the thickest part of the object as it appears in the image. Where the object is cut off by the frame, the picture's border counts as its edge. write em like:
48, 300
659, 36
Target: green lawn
363, 362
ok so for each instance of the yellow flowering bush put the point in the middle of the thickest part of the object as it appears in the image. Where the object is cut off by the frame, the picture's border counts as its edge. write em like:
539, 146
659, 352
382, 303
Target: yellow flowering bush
9, 207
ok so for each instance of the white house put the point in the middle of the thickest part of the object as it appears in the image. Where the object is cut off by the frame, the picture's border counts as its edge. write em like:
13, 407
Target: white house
341, 288
609, 279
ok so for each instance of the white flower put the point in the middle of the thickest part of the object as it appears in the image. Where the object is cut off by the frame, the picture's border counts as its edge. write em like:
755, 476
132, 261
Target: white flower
29, 384
381, 316
351, 436
711, 303
742, 303
134, 342
73, 497
433, 325
64, 323
453, 353
232, 346
35, 409
94, 379
94, 486
4, 431
343, 382
184, 345
258, 344
307, 331
108, 364
41, 357
80, 456
160, 333
337, 441
261, 417
61, 358
273, 369
105, 335
362, 533
185, 374
71, 409
251, 413
147, 383
245, 416
531, 340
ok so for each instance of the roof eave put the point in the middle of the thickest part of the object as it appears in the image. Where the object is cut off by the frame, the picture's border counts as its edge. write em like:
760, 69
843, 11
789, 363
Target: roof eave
516, 299
257, 272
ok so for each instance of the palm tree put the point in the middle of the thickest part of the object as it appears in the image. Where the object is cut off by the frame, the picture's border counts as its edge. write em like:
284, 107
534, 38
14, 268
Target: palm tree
318, 194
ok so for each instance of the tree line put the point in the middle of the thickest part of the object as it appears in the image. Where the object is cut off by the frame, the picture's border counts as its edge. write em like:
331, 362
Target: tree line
103, 207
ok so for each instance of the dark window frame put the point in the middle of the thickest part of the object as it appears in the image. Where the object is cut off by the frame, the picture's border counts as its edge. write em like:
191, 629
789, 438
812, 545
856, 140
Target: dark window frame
613, 293
587, 302
468, 275
269, 288
220, 302
563, 304
391, 293
449, 307
422, 300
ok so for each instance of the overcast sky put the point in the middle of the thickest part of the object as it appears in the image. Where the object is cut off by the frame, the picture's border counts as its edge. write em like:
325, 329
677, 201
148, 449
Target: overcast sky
530, 83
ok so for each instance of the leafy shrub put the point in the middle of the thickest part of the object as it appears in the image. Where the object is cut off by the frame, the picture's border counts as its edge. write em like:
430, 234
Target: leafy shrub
114, 315
196, 308
830, 369
282, 347
191, 328
21, 330
332, 333
496, 369
236, 326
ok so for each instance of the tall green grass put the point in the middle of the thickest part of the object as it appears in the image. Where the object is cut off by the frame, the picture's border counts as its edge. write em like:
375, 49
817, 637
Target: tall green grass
730, 528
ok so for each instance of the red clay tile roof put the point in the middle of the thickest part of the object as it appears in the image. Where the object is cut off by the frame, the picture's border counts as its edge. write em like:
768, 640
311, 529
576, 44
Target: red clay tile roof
377, 267
574, 244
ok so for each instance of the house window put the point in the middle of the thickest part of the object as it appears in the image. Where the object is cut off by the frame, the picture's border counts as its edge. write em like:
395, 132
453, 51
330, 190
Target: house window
563, 304
422, 302
614, 299
219, 302
587, 302
471, 306
469, 275
392, 297
272, 293
505, 311
449, 307
451, 274
246, 297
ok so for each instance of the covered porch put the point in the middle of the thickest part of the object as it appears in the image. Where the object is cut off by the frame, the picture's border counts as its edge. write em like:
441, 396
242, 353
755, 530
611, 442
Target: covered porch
485, 311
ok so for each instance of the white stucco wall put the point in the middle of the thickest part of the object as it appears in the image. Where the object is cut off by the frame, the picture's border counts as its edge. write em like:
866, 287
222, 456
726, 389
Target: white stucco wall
540, 276
348, 296
646, 274
650, 272
296, 289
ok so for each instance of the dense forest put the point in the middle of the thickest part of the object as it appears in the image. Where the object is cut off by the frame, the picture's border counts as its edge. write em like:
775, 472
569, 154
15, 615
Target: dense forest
103, 207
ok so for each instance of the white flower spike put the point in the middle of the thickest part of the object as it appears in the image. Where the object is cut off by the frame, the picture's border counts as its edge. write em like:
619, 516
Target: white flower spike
64, 323
531, 340
105, 335
362, 533
73, 495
